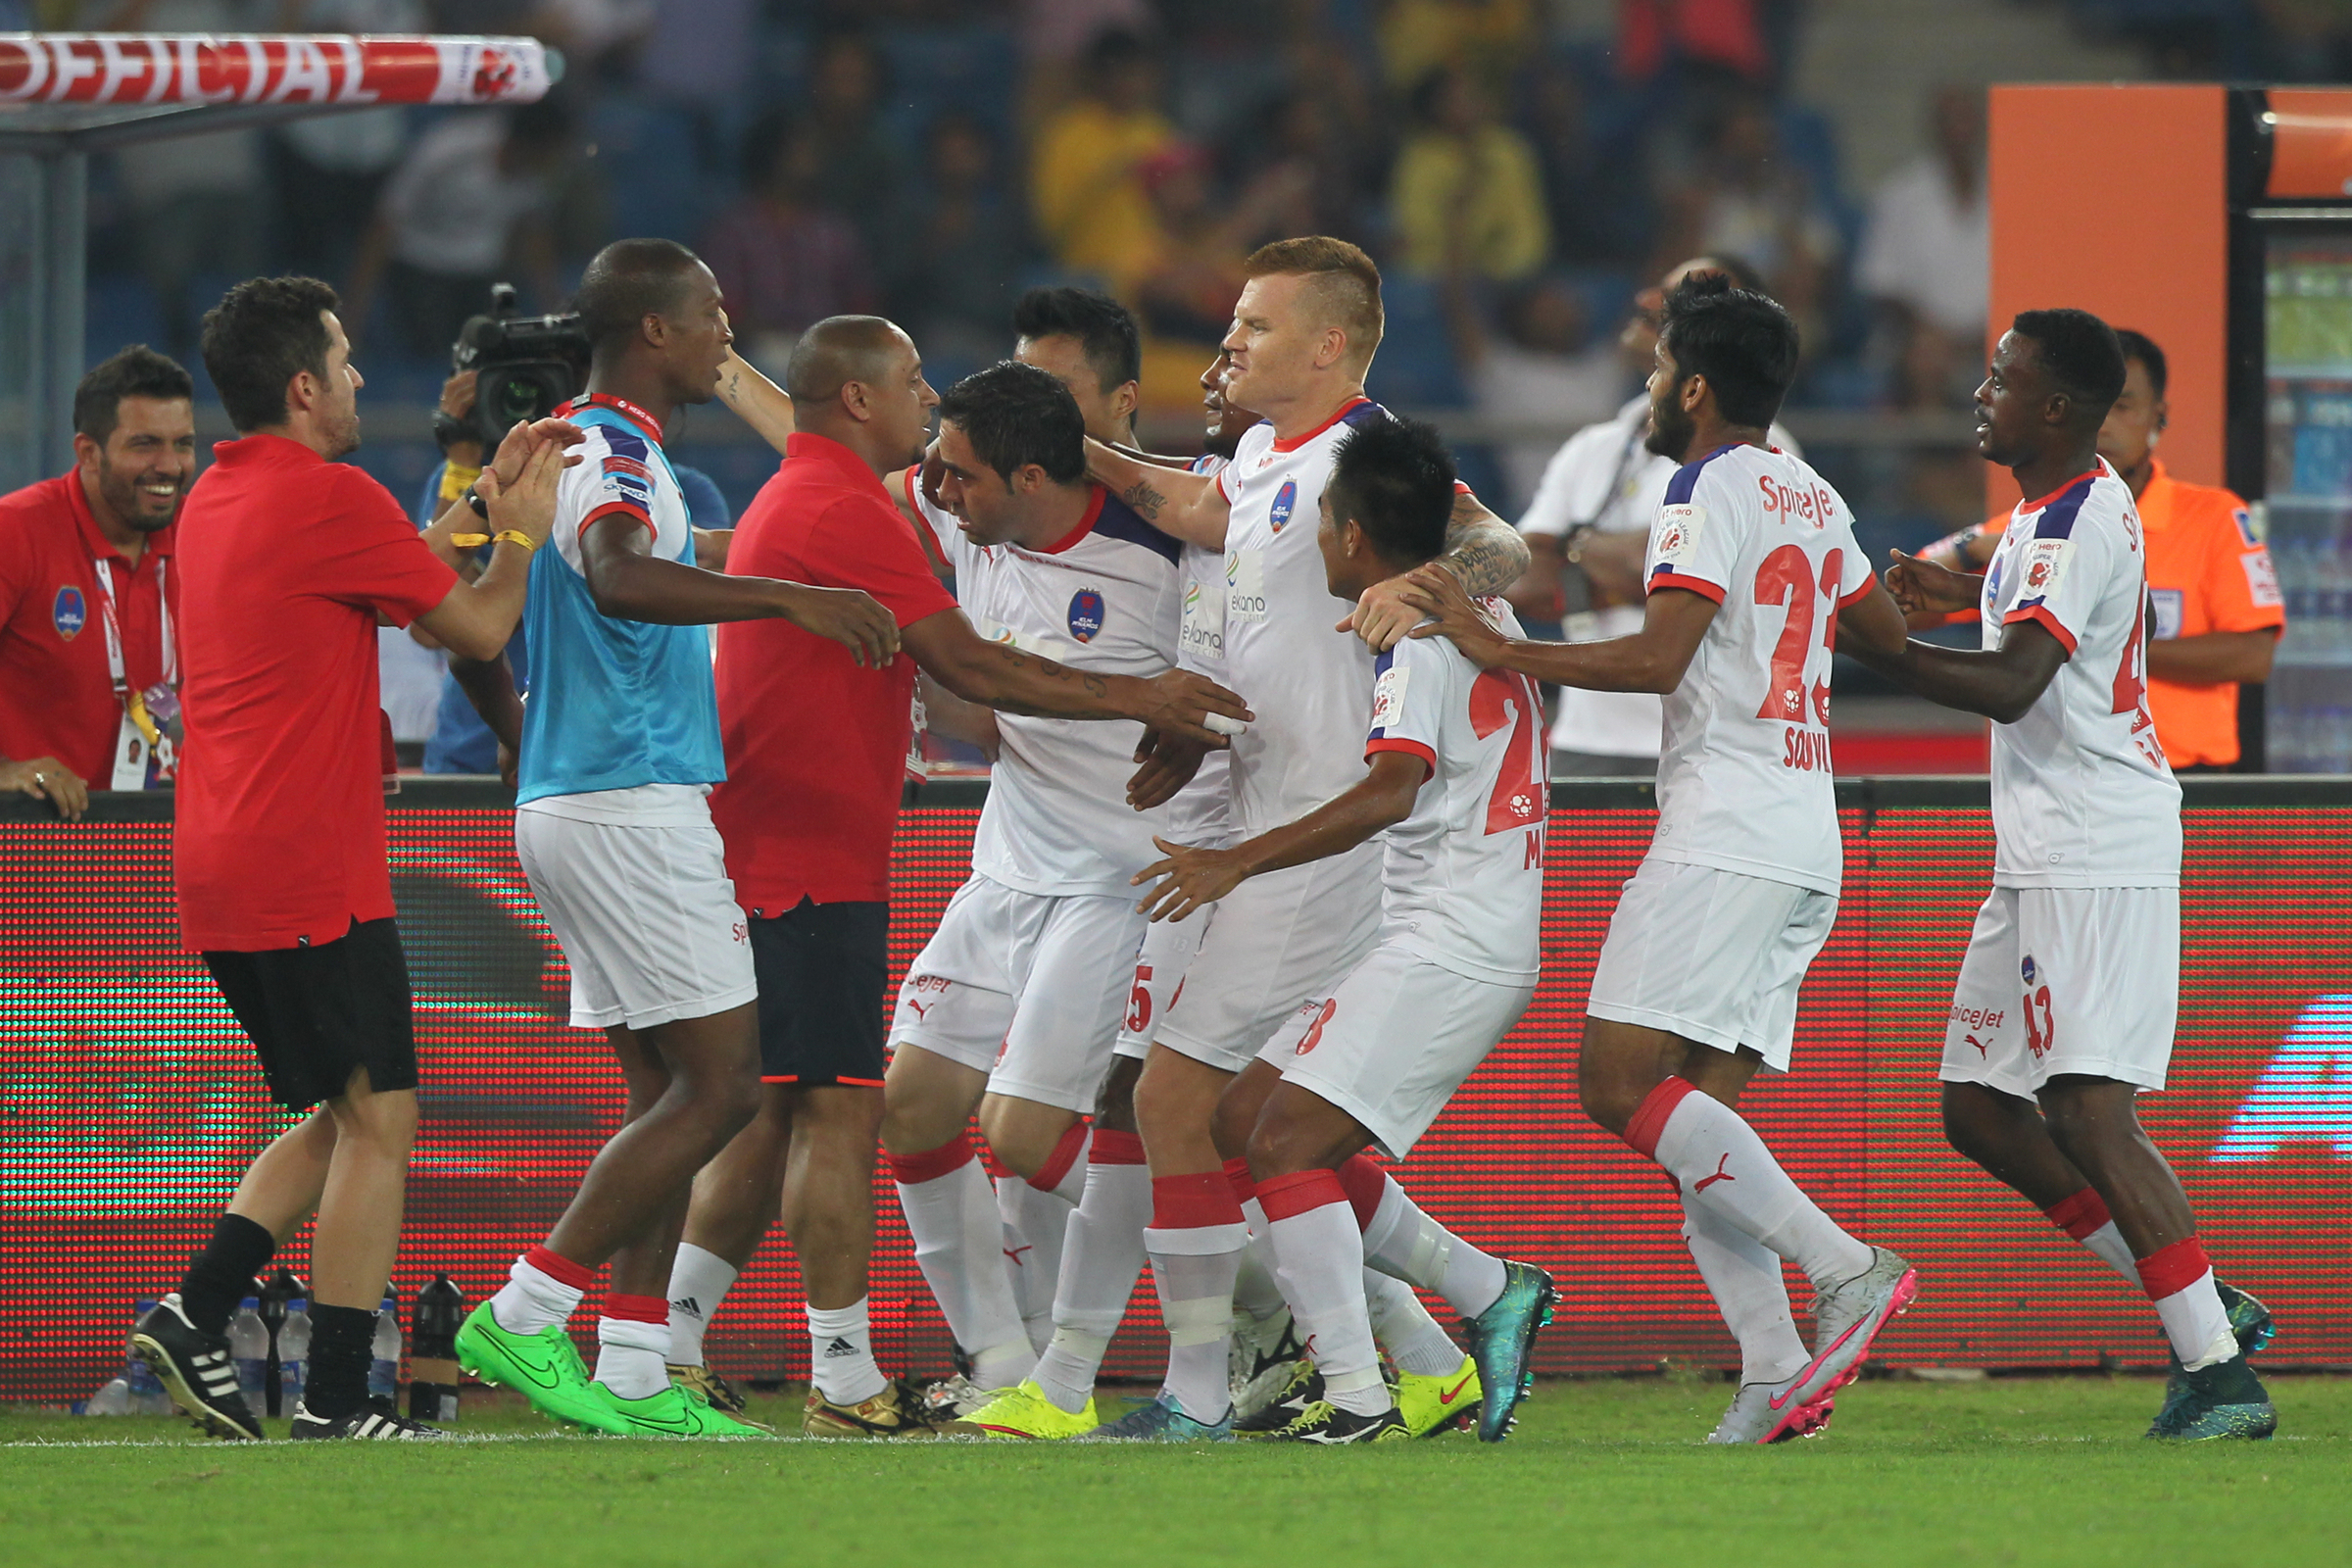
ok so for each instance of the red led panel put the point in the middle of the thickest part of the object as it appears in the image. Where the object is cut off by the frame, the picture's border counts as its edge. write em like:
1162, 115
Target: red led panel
130, 1103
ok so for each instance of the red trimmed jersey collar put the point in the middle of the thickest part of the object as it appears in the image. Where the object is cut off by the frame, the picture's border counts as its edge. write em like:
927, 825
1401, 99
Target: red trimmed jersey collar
622, 407
1086, 524
2087, 473
1339, 413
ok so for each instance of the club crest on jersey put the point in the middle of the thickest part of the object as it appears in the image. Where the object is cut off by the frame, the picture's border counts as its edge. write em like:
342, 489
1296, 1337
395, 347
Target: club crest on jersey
2026, 969
1286, 502
69, 612
1086, 615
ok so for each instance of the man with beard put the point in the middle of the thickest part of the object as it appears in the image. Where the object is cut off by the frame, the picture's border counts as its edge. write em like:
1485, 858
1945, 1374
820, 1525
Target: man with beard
90, 551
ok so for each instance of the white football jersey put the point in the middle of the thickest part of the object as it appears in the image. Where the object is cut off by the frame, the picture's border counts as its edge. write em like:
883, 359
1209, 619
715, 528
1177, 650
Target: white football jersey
1105, 597
1744, 782
1203, 810
2082, 795
1462, 878
1309, 684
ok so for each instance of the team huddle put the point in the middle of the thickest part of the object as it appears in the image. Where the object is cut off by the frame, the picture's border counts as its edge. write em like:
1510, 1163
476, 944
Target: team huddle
1254, 893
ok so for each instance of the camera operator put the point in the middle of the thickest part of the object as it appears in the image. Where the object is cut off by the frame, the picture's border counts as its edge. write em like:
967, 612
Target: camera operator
460, 742
89, 674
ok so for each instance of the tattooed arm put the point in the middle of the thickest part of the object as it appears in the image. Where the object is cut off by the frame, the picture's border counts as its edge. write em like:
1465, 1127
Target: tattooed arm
1483, 552
1189, 506
759, 402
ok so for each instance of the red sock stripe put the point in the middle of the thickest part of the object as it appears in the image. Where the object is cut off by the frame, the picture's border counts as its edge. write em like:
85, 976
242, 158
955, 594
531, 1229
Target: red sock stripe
1286, 1197
909, 1171
2080, 1215
1655, 1111
1237, 1176
556, 1266
1115, 1148
636, 1308
2174, 1269
1066, 1150
1189, 1203
1365, 1182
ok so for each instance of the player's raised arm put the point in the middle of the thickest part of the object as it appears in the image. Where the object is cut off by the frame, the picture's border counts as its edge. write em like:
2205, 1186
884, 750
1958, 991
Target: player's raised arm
1651, 660
1192, 877
1004, 677
1191, 506
759, 402
628, 582
1483, 553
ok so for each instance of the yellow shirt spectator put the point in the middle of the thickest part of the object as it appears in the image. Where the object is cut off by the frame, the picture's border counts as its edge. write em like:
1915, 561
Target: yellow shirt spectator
1091, 207
1419, 37
1466, 191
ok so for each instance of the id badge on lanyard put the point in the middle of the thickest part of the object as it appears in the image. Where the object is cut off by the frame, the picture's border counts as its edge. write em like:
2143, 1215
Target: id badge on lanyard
146, 755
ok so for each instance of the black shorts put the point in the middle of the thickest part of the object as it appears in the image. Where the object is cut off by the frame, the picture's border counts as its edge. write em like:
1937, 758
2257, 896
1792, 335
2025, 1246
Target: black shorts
822, 970
317, 1013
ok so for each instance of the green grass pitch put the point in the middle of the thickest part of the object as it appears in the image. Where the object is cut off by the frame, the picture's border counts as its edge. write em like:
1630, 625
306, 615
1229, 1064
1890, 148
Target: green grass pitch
2007, 1471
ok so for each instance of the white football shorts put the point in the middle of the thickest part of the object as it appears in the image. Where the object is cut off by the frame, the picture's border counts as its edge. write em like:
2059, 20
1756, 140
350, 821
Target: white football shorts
1394, 1041
1271, 945
1025, 986
1160, 965
646, 918
1711, 955
2077, 981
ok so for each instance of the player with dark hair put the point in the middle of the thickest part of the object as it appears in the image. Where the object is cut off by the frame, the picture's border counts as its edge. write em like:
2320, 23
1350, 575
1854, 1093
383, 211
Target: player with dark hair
278, 853
2211, 582
97, 542
2067, 1000
616, 754
1062, 329
1456, 782
1752, 570
1011, 1007
1304, 331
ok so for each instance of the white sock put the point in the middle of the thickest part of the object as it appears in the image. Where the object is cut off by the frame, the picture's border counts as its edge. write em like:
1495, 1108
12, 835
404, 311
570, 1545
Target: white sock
632, 1355
960, 1247
2108, 1245
533, 1300
1744, 1278
1405, 1241
1319, 1260
1404, 1328
1102, 1256
698, 1279
1194, 1244
1254, 1289
1036, 1224
841, 1354
1723, 1167
2179, 1280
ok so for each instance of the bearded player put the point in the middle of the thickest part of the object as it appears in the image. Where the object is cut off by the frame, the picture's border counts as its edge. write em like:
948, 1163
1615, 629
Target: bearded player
1752, 562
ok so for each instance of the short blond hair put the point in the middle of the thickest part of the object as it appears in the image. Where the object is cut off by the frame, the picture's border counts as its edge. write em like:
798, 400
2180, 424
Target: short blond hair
1345, 283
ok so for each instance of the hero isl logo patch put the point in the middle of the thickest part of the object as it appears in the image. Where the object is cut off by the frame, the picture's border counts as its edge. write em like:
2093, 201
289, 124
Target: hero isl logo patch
69, 612
2037, 576
1286, 502
1086, 615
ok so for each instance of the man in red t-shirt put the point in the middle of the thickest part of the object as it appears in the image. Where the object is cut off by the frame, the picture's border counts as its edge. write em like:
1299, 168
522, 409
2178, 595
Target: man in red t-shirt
287, 559
87, 677
815, 750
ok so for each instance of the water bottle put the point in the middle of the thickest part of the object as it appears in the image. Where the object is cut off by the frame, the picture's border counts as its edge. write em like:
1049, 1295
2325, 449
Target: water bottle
434, 1317
278, 1289
293, 1353
383, 1363
112, 1400
147, 1395
249, 1352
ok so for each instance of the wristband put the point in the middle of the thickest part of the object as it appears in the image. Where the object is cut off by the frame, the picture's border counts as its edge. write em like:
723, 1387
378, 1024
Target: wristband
516, 536
481, 508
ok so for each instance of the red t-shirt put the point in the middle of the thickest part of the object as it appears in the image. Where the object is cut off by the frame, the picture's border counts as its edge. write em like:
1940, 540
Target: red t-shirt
816, 747
286, 560
57, 694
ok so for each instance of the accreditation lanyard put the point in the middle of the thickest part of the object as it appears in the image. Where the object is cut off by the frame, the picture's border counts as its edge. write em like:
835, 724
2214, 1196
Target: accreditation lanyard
145, 754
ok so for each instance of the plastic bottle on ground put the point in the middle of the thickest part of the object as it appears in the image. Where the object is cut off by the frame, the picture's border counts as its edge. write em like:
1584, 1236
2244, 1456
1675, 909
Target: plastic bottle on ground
383, 1365
249, 1352
293, 1353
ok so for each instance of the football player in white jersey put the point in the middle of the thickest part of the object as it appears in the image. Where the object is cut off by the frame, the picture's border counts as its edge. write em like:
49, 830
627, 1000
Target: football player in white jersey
1456, 782
1011, 1007
1752, 562
2065, 1006
1304, 330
